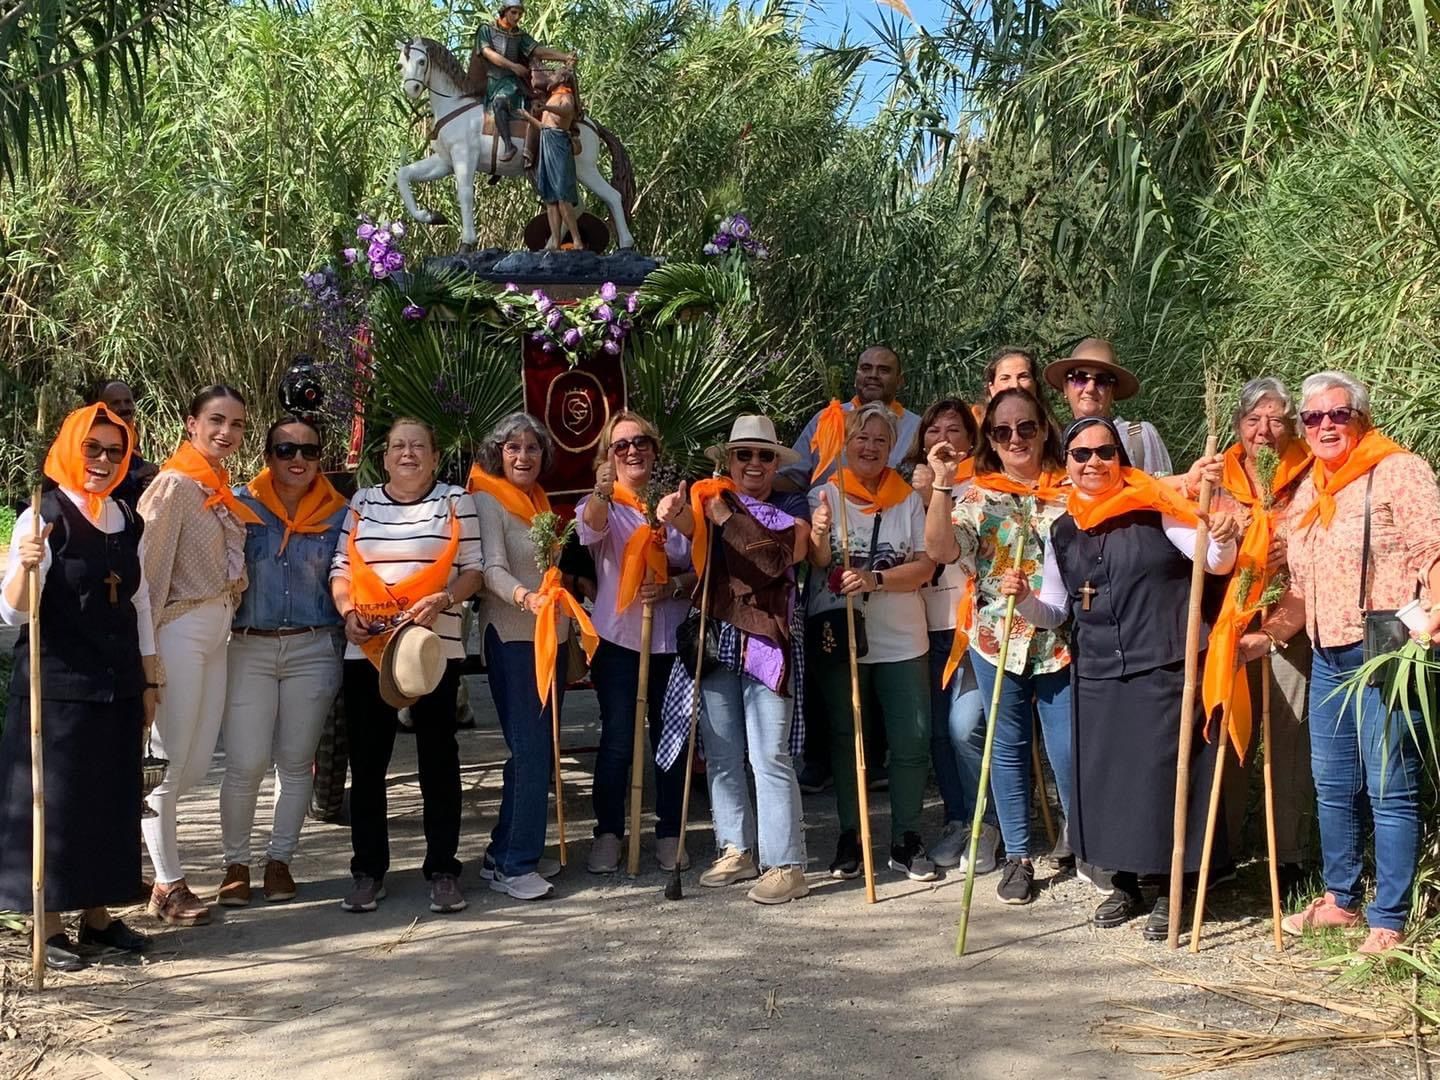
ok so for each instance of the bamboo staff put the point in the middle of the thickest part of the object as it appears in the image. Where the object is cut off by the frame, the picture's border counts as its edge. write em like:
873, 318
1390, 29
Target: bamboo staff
1039, 770
637, 753
37, 764
1017, 552
1268, 773
1187, 705
1211, 818
555, 742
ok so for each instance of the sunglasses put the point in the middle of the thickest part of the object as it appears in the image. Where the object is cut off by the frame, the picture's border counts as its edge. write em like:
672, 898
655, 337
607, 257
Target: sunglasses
640, 443
744, 454
1082, 454
286, 451
1339, 417
1026, 429
1102, 379
93, 450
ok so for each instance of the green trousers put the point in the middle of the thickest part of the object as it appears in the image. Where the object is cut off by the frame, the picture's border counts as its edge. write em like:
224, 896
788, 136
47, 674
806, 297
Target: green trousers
898, 695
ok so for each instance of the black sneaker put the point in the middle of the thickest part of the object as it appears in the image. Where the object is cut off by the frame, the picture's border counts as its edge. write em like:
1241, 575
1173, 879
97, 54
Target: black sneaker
1017, 879
847, 857
910, 858
1116, 910
1157, 925
814, 778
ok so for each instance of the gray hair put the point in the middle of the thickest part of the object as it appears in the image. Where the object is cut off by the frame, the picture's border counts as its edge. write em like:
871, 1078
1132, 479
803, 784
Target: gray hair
1321, 381
1257, 390
491, 457
875, 410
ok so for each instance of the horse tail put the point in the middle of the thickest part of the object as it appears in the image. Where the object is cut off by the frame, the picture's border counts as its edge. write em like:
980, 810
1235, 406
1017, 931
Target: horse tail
622, 173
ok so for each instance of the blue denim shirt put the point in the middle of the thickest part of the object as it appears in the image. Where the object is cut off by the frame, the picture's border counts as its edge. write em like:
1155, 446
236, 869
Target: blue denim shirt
292, 589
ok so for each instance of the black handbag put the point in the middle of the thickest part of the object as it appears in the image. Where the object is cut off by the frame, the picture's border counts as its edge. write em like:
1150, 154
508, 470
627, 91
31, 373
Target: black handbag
1384, 632
825, 632
687, 639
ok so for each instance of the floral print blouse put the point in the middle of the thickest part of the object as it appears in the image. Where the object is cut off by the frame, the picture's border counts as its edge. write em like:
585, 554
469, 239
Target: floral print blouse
985, 523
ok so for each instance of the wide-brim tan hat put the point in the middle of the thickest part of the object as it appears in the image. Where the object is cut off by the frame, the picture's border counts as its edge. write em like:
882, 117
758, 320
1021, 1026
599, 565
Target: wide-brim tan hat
1126, 384
411, 666
754, 431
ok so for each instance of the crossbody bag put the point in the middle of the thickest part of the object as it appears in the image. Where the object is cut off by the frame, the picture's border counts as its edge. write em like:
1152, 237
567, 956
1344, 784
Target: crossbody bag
825, 631
1384, 632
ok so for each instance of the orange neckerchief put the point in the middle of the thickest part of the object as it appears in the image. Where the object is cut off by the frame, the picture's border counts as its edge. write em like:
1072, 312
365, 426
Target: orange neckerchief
1046, 487
701, 492
556, 601
1368, 452
190, 462
894, 406
644, 554
524, 506
828, 442
889, 493
1136, 491
65, 462
376, 601
1220, 686
319, 502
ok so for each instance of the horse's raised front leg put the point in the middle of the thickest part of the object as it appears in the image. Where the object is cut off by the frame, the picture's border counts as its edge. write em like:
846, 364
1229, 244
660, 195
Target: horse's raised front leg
590, 176
434, 167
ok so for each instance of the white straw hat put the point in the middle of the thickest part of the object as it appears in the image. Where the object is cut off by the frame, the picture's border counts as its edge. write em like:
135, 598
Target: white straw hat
758, 433
412, 665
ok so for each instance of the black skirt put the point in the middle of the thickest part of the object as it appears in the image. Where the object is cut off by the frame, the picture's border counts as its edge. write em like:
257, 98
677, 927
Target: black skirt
1126, 741
92, 802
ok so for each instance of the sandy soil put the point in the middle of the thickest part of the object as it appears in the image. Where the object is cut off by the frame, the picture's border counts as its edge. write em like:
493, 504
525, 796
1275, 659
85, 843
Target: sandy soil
609, 979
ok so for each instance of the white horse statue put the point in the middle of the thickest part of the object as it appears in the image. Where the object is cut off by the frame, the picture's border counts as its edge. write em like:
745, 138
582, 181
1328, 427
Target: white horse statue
460, 145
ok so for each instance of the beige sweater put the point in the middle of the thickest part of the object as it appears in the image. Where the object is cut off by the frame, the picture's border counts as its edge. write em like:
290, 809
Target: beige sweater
509, 564
192, 554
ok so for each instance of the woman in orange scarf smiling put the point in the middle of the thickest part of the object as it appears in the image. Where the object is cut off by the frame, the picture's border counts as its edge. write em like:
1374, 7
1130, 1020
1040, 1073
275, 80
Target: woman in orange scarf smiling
1118, 563
284, 662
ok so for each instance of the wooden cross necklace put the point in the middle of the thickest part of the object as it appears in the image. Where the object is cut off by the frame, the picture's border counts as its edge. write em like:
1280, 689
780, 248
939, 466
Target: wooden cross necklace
1088, 591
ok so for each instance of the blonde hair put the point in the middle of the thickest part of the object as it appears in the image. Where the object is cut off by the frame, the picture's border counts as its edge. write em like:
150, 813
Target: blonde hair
412, 421
856, 420
602, 449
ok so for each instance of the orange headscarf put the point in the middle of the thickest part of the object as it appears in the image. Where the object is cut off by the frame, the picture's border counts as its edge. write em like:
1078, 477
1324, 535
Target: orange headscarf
1372, 449
1136, 491
644, 555
890, 493
65, 462
894, 406
213, 478
522, 504
701, 492
376, 601
556, 601
1047, 487
828, 442
319, 502
1220, 686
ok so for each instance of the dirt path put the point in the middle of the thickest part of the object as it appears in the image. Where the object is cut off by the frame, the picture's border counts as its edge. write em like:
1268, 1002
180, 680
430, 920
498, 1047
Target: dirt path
609, 979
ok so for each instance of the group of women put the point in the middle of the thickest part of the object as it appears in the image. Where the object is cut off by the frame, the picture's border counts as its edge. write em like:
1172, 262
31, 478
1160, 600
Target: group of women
215, 611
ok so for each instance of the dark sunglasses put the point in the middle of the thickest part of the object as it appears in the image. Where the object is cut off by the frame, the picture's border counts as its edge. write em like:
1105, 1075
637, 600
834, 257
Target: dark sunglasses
1339, 417
1082, 454
1102, 379
1026, 429
743, 454
93, 450
286, 451
639, 442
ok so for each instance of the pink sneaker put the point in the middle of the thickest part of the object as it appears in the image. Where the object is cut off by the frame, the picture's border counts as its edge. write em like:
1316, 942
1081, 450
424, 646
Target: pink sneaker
1321, 914
1381, 941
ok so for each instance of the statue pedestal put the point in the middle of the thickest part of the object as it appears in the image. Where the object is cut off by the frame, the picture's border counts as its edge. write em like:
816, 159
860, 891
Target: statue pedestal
564, 275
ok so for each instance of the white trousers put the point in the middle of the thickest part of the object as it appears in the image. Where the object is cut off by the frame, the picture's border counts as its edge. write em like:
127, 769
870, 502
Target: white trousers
192, 650
280, 691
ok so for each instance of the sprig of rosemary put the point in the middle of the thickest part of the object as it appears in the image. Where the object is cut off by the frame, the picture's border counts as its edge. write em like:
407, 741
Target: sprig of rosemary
549, 538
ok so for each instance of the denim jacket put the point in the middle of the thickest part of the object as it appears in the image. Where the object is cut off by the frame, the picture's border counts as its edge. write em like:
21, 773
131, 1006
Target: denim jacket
292, 589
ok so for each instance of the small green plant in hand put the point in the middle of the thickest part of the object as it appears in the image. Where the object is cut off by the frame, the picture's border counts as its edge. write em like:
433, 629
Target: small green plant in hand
549, 538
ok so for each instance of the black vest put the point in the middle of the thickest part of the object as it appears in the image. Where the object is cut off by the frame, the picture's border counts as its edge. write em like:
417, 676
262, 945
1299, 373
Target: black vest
89, 647
1136, 620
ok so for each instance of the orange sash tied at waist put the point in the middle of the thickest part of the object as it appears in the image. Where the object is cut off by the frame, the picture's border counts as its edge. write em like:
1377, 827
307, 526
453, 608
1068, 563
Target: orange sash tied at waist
376, 602
190, 462
317, 505
556, 602
524, 505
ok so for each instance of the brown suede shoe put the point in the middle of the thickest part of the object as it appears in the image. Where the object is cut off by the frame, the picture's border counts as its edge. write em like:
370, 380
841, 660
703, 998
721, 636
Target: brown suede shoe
235, 889
279, 885
177, 905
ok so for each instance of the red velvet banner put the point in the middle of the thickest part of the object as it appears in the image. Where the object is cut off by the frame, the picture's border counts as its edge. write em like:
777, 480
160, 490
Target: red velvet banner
575, 404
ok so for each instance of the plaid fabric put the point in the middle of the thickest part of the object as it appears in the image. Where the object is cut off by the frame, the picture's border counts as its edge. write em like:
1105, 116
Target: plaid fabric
332, 758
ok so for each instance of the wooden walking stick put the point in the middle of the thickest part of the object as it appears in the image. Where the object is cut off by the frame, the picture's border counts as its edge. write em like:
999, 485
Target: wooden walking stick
1045, 815
637, 755
1187, 705
559, 782
37, 764
1222, 742
1268, 773
1017, 552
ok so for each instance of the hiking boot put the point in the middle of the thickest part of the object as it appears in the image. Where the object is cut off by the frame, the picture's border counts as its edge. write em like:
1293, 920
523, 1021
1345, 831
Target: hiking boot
604, 854
279, 885
1017, 882
365, 894
814, 778
60, 954
445, 895
176, 905
235, 889
529, 886
666, 848
1321, 913
846, 865
1381, 940
1116, 910
546, 868
986, 858
952, 846
1157, 923
780, 885
115, 936
733, 865
910, 858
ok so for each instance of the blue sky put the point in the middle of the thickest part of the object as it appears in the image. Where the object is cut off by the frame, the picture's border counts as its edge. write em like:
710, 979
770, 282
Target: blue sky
829, 18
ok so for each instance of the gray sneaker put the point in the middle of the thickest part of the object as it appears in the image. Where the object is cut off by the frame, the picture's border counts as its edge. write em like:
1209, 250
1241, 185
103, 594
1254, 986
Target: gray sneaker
666, 848
523, 886
954, 842
604, 854
365, 895
985, 858
445, 895
546, 868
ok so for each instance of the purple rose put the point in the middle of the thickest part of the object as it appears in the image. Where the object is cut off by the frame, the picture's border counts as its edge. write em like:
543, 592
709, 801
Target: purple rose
612, 347
616, 331
376, 252
350, 256
710, 249
394, 260
538, 337
377, 270
510, 286
608, 292
740, 227
573, 337
723, 241
549, 346
413, 312
554, 319
604, 312
365, 231
632, 302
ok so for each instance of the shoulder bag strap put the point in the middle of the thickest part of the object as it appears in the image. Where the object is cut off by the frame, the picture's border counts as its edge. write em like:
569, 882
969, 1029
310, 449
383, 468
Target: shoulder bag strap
1365, 546
870, 551
1137, 434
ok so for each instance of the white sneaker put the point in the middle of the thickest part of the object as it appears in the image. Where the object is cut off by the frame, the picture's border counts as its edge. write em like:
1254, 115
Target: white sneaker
546, 868
951, 847
985, 856
524, 887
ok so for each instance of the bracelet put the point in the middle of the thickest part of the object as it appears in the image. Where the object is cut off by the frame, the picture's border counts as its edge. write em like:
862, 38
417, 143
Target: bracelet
154, 685
1274, 645
603, 497
947, 490
520, 600
879, 580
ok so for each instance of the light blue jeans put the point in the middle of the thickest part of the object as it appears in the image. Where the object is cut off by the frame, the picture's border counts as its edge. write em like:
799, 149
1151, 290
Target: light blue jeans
738, 711
957, 733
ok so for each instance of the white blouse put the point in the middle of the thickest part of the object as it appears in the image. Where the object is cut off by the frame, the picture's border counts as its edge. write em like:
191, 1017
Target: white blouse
112, 520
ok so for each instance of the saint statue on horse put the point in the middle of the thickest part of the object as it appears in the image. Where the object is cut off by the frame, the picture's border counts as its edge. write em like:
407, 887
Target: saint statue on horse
501, 59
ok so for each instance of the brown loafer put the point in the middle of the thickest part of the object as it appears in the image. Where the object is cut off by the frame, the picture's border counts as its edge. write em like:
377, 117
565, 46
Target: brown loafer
177, 905
235, 889
279, 885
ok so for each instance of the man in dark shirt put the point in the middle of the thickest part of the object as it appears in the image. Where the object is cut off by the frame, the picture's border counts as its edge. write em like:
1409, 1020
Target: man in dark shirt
117, 396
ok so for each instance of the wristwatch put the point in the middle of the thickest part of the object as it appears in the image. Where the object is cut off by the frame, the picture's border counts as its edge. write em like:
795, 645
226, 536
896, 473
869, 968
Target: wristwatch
879, 580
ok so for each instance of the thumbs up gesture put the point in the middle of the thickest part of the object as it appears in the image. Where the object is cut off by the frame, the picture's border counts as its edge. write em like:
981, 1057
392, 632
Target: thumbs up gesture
821, 518
672, 505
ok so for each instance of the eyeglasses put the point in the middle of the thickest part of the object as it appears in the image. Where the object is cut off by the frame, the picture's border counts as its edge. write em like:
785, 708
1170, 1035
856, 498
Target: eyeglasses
1339, 417
640, 443
744, 454
93, 450
1082, 454
1102, 379
1026, 429
515, 449
286, 451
